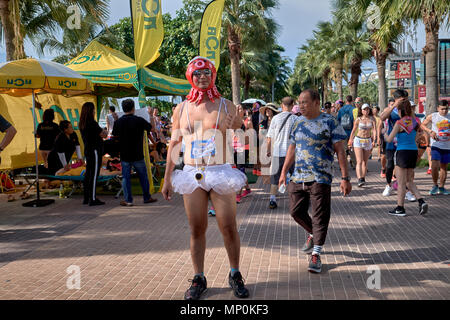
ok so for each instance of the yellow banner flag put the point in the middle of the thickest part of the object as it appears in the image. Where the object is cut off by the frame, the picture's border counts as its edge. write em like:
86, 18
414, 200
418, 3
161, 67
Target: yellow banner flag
210, 31
148, 30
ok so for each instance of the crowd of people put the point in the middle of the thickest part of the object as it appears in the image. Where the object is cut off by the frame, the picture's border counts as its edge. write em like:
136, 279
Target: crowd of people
292, 146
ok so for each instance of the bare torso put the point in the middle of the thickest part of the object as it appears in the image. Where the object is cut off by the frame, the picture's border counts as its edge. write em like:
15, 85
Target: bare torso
202, 120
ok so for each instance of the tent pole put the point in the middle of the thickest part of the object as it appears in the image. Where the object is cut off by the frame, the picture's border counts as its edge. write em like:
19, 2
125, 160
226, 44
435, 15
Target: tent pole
35, 145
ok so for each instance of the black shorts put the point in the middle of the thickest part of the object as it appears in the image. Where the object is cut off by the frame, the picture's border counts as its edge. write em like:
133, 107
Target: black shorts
382, 145
406, 159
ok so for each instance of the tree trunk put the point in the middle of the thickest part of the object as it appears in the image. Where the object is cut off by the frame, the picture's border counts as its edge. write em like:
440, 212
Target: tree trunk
246, 86
8, 29
339, 82
325, 87
431, 60
234, 46
380, 58
354, 79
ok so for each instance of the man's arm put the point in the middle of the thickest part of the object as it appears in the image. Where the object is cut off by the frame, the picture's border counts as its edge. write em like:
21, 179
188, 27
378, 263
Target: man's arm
346, 186
9, 136
394, 132
172, 154
288, 162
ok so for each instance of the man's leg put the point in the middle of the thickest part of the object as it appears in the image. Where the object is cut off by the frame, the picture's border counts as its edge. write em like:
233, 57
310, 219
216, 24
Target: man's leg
126, 181
196, 206
299, 204
141, 170
435, 166
390, 165
226, 219
321, 208
443, 174
225, 207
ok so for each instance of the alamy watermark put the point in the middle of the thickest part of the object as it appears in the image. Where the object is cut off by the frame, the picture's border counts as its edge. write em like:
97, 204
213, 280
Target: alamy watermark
74, 280
74, 20
374, 280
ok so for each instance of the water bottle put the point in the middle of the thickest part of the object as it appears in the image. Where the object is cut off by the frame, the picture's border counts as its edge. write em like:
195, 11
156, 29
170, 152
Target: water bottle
61, 191
282, 188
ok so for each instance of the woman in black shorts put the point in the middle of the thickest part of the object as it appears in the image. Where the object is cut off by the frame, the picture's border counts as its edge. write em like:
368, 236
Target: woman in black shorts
405, 157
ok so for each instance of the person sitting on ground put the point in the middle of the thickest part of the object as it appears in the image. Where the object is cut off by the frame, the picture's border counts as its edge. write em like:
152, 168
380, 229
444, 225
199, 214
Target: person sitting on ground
66, 144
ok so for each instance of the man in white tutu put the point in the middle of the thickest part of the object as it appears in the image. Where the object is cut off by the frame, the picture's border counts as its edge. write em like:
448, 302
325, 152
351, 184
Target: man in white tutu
202, 121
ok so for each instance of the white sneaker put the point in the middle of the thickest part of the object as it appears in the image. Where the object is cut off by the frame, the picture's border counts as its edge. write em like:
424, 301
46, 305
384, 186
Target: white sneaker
387, 191
410, 197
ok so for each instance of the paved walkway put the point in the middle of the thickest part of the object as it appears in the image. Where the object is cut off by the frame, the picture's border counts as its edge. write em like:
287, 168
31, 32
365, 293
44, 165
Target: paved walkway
142, 252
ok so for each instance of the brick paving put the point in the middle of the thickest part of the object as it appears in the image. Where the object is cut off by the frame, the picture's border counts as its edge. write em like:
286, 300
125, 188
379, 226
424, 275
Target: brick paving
142, 252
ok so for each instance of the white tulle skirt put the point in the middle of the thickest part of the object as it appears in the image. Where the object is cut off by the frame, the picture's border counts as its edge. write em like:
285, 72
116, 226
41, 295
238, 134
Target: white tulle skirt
223, 179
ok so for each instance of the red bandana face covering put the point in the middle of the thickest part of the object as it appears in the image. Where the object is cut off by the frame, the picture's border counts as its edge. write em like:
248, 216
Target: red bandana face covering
196, 94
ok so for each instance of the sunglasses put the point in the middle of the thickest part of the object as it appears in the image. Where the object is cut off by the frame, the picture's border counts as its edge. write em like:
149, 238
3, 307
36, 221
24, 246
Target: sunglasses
198, 73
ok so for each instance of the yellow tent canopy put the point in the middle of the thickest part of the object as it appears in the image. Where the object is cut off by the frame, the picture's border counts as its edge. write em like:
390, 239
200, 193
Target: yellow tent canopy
114, 74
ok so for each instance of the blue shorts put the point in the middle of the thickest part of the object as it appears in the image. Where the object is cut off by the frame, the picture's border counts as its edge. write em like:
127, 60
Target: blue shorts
441, 155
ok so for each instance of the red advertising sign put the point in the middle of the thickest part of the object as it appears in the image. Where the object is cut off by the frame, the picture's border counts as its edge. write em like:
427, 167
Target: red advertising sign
404, 70
422, 96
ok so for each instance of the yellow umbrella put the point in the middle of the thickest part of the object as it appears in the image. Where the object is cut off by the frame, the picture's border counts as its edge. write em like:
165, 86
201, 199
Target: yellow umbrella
30, 76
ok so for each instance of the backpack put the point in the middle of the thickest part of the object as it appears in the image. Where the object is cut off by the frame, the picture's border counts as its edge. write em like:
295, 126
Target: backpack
347, 121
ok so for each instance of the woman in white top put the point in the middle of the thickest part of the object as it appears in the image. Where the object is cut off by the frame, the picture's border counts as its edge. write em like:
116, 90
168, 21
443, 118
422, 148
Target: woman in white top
363, 138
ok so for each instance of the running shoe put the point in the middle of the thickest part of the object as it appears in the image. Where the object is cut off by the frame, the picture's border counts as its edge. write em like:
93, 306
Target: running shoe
315, 265
254, 172
245, 193
383, 174
126, 204
387, 191
273, 205
395, 185
423, 208
258, 172
410, 197
434, 191
309, 245
238, 198
443, 191
197, 288
237, 284
212, 212
429, 171
361, 182
398, 211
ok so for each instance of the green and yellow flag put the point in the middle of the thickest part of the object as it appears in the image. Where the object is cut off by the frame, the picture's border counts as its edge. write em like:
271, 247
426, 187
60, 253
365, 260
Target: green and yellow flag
210, 31
148, 30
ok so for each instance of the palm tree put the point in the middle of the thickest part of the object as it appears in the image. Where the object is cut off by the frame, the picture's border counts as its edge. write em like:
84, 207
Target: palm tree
22, 19
383, 34
433, 14
245, 16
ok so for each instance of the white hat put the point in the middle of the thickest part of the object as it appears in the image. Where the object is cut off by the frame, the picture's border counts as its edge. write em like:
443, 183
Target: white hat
364, 106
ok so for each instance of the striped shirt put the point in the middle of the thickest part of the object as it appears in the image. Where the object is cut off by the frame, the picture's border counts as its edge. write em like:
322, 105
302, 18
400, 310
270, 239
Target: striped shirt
280, 139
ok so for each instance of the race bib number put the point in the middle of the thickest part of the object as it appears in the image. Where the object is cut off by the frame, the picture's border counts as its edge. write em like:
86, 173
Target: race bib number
203, 148
443, 130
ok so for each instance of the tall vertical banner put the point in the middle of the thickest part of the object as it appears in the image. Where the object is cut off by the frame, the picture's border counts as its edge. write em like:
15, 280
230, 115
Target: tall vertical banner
210, 31
148, 32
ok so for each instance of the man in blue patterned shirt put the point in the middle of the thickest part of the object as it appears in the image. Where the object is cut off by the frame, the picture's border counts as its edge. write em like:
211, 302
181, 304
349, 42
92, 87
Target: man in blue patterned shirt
314, 138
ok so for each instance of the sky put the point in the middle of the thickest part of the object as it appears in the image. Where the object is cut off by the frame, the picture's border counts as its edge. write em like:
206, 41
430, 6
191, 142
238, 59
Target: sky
297, 20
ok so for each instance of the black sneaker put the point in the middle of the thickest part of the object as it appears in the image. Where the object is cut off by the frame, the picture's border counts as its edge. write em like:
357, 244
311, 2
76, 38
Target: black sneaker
423, 208
273, 205
96, 202
315, 265
361, 182
398, 211
197, 288
237, 284
309, 245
